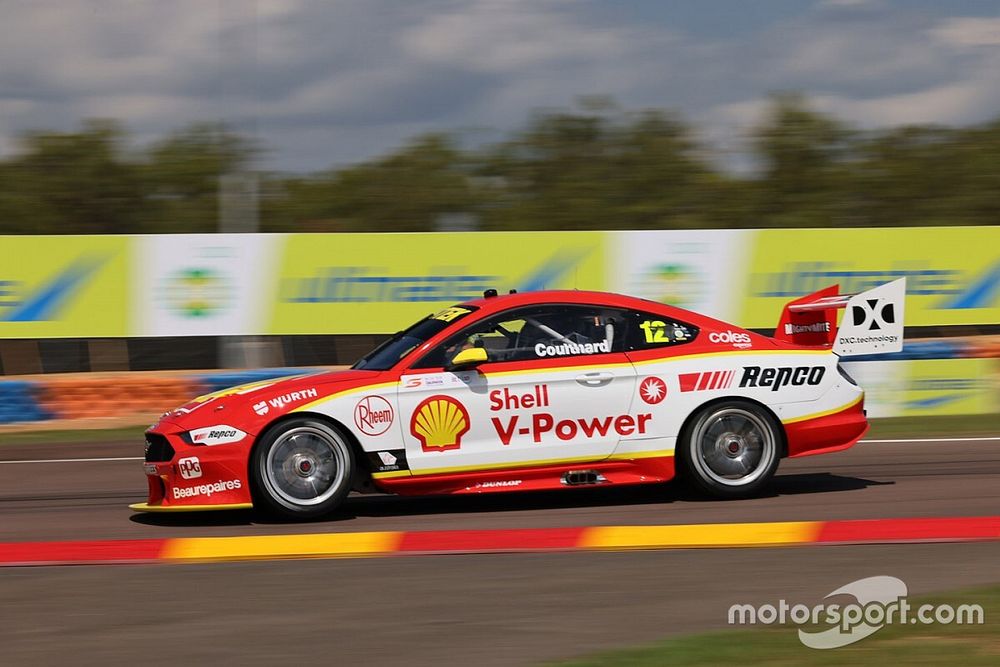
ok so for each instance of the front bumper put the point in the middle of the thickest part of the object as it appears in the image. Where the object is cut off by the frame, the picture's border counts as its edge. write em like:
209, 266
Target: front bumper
184, 477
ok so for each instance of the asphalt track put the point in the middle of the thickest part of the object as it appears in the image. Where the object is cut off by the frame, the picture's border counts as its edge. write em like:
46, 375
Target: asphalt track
491, 609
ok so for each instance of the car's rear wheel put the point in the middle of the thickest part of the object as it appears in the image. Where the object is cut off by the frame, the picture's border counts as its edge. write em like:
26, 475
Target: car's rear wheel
302, 468
731, 449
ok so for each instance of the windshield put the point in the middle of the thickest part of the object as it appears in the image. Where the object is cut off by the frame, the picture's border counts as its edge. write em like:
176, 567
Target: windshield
389, 353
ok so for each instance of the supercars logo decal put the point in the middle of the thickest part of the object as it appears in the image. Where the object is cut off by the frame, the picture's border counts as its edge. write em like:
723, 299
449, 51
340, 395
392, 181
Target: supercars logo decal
652, 390
439, 422
706, 381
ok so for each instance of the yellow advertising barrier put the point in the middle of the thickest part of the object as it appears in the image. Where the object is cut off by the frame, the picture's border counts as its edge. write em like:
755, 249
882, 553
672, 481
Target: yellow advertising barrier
380, 283
950, 387
953, 273
929, 387
63, 286
97, 286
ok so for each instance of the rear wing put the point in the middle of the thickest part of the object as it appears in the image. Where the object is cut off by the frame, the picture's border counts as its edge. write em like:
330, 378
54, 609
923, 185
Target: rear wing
872, 323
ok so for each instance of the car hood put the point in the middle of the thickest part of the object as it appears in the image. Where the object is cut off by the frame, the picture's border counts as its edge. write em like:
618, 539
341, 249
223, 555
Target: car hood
252, 405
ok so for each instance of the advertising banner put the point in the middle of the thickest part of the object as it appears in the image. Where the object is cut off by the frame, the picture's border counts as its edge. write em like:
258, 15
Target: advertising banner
701, 270
952, 273
258, 284
203, 284
63, 286
380, 283
928, 387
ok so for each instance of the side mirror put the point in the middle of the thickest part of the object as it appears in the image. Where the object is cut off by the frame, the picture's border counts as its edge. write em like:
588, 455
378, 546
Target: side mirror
469, 358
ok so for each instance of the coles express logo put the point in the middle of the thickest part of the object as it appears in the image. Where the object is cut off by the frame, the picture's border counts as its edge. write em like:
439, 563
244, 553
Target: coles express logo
736, 338
373, 415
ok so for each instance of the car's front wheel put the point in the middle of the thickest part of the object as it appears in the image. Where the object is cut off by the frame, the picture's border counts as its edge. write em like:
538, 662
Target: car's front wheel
302, 468
731, 449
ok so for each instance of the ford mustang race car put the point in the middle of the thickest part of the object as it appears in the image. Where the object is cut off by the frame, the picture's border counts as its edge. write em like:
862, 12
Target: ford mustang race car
541, 390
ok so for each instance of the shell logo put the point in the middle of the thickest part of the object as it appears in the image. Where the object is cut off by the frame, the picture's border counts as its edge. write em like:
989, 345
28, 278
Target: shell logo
439, 423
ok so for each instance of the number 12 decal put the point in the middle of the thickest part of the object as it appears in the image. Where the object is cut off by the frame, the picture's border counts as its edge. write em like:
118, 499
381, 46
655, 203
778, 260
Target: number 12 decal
655, 331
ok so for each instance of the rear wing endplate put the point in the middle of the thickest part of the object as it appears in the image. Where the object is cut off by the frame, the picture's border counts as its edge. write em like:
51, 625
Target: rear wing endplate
872, 321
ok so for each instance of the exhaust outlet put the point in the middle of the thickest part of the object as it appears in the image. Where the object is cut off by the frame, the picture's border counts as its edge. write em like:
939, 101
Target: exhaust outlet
583, 477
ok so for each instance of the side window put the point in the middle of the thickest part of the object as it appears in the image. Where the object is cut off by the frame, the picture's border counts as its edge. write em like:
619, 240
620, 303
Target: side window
537, 332
649, 331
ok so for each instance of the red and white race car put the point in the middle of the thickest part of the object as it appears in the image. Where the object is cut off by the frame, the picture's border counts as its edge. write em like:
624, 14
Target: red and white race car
542, 390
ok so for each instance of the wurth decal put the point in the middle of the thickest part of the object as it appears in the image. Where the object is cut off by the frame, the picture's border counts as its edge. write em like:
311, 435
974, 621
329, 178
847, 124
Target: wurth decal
706, 381
279, 402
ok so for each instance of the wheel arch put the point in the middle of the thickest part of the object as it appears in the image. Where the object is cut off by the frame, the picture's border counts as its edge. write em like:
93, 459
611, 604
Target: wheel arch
689, 420
363, 466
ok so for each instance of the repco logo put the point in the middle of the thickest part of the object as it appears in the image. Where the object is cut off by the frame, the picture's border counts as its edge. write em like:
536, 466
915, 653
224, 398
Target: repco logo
776, 378
220, 434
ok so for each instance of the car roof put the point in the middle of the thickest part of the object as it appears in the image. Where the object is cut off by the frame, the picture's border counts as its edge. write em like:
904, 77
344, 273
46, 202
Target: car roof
505, 301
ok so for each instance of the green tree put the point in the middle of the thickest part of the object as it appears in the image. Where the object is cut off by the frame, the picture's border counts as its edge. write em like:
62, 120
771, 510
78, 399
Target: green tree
404, 192
598, 170
180, 177
76, 182
805, 157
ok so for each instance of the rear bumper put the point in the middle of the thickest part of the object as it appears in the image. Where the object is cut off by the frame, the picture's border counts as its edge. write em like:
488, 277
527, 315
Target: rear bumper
827, 433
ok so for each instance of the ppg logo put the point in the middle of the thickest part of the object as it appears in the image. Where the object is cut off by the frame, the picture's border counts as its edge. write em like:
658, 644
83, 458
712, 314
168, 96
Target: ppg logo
869, 315
190, 467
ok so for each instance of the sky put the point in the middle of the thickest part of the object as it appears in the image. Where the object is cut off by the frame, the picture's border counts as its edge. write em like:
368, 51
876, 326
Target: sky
325, 83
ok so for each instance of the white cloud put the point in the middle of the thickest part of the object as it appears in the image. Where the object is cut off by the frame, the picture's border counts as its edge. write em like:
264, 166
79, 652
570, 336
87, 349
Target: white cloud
968, 31
950, 103
337, 82
514, 36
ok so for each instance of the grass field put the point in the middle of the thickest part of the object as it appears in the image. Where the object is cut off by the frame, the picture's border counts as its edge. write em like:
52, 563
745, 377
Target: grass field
82, 435
966, 645
917, 427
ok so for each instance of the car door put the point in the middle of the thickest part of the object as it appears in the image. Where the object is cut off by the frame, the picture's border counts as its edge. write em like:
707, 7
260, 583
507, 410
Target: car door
556, 388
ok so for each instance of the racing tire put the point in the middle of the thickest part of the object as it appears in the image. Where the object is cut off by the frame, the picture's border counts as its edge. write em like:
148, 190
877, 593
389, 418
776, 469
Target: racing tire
731, 449
301, 468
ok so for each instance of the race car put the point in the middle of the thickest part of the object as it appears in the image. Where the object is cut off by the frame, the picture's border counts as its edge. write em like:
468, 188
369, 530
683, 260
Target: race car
531, 391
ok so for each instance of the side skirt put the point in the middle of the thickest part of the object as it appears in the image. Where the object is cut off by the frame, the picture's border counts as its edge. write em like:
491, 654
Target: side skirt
562, 476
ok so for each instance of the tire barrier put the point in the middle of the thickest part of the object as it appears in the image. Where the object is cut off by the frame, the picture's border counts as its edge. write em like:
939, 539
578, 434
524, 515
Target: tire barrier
19, 402
82, 396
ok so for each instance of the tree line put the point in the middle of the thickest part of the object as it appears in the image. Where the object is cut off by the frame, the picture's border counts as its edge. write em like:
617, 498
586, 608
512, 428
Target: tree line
595, 166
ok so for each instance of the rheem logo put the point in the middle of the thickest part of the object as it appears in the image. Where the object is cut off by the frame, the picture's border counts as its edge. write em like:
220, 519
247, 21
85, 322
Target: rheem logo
373, 415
